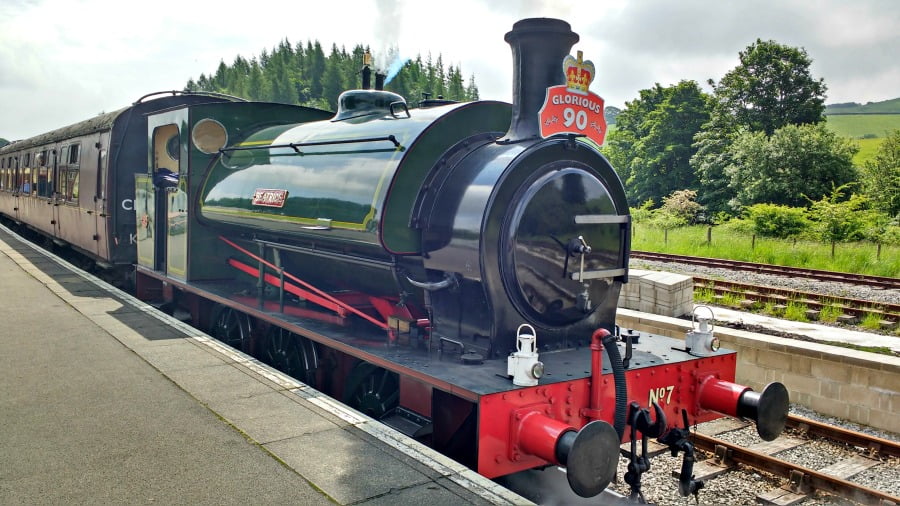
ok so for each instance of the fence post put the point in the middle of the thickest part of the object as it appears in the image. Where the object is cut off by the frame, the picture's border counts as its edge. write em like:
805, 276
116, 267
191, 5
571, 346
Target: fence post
709, 235
753, 242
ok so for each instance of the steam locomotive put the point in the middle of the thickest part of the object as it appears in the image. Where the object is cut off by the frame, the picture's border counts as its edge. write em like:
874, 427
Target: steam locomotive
447, 269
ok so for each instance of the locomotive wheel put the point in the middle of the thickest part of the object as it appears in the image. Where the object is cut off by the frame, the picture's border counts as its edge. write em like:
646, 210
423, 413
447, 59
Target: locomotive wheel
291, 354
372, 390
232, 328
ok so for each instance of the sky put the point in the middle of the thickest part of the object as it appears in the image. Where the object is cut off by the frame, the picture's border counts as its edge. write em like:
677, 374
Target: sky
64, 61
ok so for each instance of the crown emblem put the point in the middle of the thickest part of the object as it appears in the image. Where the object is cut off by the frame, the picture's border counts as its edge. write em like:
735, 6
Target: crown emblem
579, 73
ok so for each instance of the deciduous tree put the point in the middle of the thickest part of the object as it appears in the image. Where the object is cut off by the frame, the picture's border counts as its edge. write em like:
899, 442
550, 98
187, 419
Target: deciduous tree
652, 143
793, 166
880, 177
772, 87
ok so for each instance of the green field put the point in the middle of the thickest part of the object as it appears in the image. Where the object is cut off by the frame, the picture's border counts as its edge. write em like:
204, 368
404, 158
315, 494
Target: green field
860, 126
867, 150
861, 257
868, 130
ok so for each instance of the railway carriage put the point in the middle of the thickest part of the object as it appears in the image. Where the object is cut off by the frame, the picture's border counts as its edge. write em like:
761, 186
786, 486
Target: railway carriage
75, 185
451, 270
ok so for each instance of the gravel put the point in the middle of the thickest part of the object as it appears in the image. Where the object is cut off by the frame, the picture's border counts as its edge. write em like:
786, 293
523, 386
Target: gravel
743, 485
860, 292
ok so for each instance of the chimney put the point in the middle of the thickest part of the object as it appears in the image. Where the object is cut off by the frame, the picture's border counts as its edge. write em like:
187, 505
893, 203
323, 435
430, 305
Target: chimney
539, 46
366, 78
379, 80
366, 72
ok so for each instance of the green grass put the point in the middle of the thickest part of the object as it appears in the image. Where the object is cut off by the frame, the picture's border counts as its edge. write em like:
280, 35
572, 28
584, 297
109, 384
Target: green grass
867, 130
796, 311
703, 295
857, 257
830, 313
859, 126
731, 299
871, 321
868, 148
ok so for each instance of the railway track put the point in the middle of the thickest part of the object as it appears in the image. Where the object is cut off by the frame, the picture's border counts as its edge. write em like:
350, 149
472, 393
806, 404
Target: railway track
863, 452
859, 279
754, 296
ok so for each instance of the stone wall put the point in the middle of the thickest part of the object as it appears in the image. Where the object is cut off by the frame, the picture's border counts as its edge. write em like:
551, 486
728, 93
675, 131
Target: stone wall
853, 385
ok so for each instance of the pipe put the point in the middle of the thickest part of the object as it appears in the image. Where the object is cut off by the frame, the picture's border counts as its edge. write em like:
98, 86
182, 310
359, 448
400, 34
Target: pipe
595, 399
600, 339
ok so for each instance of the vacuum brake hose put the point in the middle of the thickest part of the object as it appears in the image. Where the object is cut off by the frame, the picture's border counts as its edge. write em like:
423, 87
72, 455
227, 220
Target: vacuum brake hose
615, 361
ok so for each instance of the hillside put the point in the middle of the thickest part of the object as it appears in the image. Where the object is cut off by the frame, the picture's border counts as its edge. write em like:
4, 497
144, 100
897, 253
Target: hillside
867, 124
884, 107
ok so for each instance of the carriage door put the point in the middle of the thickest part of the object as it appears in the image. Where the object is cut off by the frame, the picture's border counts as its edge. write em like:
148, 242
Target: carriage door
54, 194
161, 201
100, 213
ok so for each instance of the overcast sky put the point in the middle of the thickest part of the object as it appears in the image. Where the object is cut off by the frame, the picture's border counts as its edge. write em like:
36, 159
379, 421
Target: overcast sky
63, 61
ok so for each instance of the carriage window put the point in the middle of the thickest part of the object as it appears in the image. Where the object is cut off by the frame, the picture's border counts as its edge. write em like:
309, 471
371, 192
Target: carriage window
44, 176
68, 173
74, 151
25, 179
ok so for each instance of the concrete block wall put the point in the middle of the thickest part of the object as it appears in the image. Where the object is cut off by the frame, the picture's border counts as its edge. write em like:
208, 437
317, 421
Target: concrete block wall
853, 385
662, 293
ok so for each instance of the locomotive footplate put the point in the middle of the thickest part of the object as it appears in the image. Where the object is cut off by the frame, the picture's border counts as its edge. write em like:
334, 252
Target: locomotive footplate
446, 369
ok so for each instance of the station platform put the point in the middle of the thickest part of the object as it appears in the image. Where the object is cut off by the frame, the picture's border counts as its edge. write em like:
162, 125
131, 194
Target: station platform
105, 400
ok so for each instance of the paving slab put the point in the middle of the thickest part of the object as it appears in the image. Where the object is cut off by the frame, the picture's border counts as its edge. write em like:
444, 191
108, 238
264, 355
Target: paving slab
106, 401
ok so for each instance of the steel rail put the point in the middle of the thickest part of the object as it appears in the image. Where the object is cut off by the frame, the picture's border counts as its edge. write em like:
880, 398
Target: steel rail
810, 477
779, 270
874, 444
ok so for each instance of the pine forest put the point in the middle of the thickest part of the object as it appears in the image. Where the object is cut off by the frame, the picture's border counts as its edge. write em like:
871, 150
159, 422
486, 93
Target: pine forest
304, 75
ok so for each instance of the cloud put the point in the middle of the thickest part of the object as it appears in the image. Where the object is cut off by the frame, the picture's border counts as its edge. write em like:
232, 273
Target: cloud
63, 61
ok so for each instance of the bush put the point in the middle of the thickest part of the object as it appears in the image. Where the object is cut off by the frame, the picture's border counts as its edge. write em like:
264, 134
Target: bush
643, 213
773, 220
683, 205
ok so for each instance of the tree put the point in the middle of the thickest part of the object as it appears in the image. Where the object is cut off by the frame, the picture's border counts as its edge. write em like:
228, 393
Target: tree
610, 113
796, 164
683, 204
712, 155
332, 82
771, 88
839, 220
472, 89
3, 142
302, 74
880, 177
652, 143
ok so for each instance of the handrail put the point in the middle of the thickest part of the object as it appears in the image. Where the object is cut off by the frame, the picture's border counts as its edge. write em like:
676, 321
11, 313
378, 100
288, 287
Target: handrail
294, 145
311, 288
